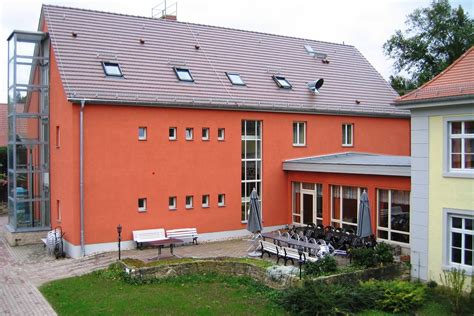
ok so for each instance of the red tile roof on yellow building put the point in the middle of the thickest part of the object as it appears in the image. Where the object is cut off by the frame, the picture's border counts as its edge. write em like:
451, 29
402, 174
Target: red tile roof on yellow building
455, 81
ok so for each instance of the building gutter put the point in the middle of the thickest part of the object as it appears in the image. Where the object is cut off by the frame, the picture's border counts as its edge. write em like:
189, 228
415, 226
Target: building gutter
81, 174
232, 107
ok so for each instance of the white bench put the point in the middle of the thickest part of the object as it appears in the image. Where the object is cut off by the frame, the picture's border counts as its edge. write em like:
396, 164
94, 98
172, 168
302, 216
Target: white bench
183, 233
148, 235
293, 254
271, 249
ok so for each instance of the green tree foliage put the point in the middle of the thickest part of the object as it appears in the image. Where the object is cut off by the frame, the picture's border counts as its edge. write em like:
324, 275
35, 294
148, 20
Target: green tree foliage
435, 37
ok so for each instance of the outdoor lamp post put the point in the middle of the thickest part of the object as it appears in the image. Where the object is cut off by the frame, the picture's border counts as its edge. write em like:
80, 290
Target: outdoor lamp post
300, 261
119, 232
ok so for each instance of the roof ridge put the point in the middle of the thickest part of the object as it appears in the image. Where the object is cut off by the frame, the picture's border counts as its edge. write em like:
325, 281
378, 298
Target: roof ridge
196, 24
417, 90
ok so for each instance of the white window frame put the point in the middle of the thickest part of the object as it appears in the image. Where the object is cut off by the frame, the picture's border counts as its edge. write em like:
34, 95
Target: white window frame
205, 200
389, 229
175, 133
144, 136
318, 189
299, 125
221, 133
448, 215
340, 221
172, 205
205, 133
345, 134
258, 139
191, 200
189, 133
143, 208
448, 170
221, 199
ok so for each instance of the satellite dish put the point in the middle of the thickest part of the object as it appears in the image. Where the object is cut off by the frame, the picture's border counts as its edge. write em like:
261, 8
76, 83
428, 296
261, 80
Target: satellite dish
314, 86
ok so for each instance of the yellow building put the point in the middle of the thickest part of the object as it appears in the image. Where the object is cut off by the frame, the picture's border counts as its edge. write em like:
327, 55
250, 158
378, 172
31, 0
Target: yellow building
442, 174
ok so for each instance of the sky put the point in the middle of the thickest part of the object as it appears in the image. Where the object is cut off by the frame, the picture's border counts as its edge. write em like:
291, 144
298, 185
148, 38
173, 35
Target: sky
366, 24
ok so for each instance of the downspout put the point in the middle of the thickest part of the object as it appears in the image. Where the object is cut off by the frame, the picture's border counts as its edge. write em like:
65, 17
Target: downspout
81, 174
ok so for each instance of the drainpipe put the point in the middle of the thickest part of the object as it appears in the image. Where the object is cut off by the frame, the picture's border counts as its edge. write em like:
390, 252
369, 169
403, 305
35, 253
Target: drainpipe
81, 174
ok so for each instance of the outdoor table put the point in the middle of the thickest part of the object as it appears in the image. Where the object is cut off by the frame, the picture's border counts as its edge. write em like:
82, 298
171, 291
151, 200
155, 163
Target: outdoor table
292, 242
166, 242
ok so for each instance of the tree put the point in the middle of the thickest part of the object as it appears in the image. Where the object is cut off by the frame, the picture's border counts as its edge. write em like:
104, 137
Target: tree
435, 37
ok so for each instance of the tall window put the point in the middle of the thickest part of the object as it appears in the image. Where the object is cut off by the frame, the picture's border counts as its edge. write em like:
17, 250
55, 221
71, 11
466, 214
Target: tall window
393, 215
307, 203
460, 241
251, 163
205, 133
142, 133
189, 133
299, 133
172, 133
347, 134
220, 133
345, 206
461, 146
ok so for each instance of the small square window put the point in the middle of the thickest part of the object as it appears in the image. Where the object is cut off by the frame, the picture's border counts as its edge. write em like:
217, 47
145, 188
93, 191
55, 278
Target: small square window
172, 133
205, 133
172, 202
220, 133
235, 79
347, 135
183, 74
189, 133
221, 200
112, 69
142, 204
205, 200
189, 201
282, 82
142, 133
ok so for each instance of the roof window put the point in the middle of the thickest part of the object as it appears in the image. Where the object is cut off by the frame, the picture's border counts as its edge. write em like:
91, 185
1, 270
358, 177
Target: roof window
112, 69
282, 82
309, 50
235, 78
183, 74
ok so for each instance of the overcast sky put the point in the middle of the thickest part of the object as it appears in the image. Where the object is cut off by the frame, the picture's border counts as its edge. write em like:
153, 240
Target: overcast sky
366, 24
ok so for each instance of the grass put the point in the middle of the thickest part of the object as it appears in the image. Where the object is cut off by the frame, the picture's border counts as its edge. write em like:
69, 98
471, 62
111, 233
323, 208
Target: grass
136, 263
106, 293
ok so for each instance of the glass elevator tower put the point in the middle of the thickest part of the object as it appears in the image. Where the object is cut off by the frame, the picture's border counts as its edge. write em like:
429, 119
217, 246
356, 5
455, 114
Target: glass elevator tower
28, 131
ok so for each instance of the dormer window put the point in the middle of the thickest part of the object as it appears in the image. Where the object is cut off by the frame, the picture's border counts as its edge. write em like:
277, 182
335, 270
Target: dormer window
183, 74
112, 69
282, 82
235, 79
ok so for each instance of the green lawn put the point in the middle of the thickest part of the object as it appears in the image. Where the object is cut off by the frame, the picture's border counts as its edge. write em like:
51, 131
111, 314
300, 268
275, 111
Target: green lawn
102, 293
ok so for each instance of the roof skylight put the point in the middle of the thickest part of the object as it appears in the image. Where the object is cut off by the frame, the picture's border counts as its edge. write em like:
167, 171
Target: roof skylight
309, 49
112, 69
282, 82
235, 78
183, 74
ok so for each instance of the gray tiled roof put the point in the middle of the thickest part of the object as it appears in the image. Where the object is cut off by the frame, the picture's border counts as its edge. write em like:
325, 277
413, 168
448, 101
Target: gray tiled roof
351, 162
149, 77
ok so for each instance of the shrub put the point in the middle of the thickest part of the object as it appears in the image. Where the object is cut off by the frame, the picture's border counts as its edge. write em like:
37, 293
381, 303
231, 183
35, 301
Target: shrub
453, 281
317, 298
364, 257
395, 296
383, 253
323, 266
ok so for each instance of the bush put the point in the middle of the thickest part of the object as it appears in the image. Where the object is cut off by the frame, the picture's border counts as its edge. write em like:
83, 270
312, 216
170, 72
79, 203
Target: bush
317, 298
323, 266
383, 253
453, 281
364, 257
395, 296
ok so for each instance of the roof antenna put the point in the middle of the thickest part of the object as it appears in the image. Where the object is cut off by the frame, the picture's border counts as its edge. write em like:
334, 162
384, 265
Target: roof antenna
165, 11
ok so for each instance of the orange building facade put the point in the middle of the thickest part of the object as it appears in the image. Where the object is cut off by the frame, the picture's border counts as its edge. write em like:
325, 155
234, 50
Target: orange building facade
147, 164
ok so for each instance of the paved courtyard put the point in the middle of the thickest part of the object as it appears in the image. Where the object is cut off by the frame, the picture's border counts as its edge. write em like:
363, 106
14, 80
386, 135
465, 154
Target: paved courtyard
23, 269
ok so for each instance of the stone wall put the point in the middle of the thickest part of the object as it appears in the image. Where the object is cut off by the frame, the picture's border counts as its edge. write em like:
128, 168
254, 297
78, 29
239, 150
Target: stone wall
24, 238
212, 266
387, 272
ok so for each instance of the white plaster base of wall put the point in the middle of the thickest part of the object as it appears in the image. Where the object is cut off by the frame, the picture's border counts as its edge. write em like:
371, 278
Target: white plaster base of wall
74, 251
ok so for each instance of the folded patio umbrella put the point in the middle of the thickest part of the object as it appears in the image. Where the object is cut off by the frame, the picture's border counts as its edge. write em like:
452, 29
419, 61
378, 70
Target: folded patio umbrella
364, 226
254, 223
